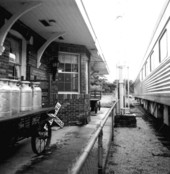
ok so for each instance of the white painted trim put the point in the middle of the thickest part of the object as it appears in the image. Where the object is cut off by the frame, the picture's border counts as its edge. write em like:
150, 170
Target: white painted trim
45, 45
68, 93
8, 24
23, 51
79, 64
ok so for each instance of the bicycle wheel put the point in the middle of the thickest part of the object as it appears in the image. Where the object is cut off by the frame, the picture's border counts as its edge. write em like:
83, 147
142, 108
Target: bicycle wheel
41, 139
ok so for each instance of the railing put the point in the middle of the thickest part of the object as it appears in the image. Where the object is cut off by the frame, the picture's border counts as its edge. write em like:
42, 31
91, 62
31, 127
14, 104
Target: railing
86, 163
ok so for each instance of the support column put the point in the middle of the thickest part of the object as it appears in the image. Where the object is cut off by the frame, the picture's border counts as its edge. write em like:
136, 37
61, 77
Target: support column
121, 90
145, 104
100, 152
155, 113
166, 118
159, 111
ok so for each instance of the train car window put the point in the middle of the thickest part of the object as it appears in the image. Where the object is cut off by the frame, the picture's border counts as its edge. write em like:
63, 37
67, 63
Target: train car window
163, 46
141, 75
144, 71
154, 58
147, 67
151, 61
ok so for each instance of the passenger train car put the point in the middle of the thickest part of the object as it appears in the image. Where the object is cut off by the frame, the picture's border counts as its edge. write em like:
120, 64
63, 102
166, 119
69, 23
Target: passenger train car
152, 85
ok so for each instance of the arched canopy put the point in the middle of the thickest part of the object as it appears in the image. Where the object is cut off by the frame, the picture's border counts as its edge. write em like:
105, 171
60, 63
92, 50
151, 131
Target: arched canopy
52, 19
8, 24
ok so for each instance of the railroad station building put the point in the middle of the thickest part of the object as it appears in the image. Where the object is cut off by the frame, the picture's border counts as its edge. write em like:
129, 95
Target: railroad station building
51, 42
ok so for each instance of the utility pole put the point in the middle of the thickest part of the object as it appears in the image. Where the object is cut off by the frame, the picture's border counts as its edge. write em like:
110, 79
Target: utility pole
128, 86
121, 90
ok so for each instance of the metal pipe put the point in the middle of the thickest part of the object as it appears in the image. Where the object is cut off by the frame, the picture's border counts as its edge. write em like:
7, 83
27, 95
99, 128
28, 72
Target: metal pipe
121, 90
100, 152
128, 87
112, 124
80, 161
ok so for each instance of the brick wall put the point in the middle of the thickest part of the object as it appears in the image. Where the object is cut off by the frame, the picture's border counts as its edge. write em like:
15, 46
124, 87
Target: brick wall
74, 107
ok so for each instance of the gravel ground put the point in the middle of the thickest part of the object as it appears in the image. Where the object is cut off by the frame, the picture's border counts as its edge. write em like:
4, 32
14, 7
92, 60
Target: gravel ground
138, 151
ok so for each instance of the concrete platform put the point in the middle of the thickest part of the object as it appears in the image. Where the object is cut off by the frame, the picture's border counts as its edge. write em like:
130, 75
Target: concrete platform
67, 145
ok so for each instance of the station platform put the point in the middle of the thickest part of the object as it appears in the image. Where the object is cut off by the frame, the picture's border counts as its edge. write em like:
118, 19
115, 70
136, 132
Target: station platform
67, 145
138, 149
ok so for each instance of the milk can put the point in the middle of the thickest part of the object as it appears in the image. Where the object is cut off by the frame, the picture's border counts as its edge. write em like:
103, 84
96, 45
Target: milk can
15, 96
5, 96
36, 95
26, 96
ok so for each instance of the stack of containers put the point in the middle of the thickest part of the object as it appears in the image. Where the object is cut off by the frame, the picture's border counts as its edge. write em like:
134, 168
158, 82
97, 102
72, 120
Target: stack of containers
5, 96
36, 95
15, 96
26, 96
14, 99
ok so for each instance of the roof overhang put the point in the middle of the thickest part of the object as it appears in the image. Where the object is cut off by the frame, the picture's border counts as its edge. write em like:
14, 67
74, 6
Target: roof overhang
98, 63
52, 17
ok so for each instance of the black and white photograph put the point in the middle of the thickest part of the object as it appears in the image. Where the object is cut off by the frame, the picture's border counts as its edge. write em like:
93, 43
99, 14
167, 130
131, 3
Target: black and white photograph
85, 86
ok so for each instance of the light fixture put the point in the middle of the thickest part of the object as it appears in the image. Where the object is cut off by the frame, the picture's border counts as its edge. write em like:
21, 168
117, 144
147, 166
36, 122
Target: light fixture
55, 64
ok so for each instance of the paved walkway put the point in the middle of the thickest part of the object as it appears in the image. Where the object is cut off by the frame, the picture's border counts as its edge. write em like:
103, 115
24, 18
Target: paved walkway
134, 150
67, 145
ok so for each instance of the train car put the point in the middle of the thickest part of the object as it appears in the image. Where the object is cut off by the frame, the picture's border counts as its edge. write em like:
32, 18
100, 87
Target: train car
152, 85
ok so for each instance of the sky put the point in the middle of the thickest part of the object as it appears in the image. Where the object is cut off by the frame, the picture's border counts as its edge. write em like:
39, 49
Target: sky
124, 29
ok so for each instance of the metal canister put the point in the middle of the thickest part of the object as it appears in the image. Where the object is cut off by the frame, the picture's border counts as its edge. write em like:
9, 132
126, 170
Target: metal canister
37, 95
5, 96
15, 96
26, 96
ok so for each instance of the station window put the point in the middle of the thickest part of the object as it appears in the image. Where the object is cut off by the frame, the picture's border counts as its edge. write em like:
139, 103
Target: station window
152, 64
163, 46
68, 73
15, 48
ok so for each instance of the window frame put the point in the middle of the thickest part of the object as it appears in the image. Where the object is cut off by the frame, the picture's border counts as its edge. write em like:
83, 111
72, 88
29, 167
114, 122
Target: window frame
78, 73
17, 65
165, 33
147, 67
23, 51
